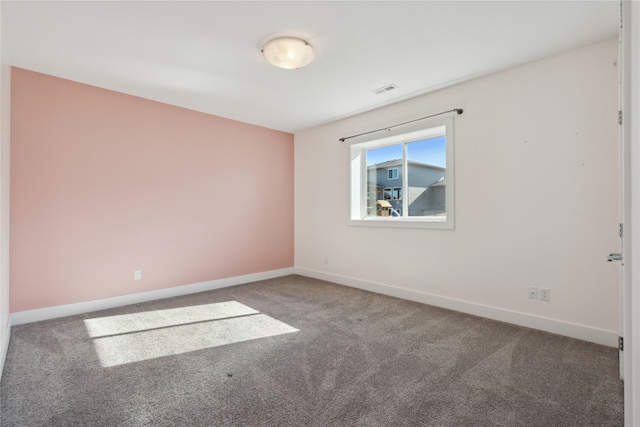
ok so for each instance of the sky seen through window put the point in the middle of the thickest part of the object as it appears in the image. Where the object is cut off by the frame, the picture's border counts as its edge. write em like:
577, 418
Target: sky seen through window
430, 151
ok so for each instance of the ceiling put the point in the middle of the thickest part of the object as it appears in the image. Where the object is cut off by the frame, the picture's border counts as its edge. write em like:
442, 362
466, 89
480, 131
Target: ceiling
206, 55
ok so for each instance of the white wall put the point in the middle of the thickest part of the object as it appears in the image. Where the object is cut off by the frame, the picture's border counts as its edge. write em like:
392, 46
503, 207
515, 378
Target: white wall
5, 103
536, 158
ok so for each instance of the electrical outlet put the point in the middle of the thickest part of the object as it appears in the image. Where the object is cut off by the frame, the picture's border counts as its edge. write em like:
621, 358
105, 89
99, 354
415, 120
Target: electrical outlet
533, 292
137, 275
545, 294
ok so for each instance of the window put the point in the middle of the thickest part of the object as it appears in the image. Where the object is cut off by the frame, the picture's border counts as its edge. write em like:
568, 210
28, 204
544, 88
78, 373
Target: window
397, 193
420, 158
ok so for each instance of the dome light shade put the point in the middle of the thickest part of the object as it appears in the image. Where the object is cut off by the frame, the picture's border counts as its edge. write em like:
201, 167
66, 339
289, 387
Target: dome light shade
288, 52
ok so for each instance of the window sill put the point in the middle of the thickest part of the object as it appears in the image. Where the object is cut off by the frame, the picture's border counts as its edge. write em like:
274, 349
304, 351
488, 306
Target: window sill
437, 223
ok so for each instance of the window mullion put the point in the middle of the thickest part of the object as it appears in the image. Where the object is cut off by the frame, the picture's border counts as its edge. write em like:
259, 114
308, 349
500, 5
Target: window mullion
364, 179
405, 181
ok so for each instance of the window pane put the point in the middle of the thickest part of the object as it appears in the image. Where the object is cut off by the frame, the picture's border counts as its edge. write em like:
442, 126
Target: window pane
384, 172
426, 177
397, 193
379, 156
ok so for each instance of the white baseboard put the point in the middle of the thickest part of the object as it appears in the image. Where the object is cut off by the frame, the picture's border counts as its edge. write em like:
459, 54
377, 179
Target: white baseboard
5, 346
582, 332
585, 333
102, 304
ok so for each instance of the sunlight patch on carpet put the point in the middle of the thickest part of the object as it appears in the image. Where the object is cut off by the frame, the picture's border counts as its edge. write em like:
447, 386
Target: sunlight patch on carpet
115, 325
143, 336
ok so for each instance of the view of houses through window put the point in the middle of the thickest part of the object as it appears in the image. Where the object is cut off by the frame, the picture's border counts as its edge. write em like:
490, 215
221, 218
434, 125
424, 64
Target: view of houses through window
420, 191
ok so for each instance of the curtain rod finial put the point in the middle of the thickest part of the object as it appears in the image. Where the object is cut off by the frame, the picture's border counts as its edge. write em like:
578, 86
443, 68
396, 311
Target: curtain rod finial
459, 110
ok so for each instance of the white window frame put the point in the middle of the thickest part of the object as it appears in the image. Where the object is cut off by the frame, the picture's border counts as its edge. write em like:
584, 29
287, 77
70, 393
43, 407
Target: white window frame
402, 135
394, 173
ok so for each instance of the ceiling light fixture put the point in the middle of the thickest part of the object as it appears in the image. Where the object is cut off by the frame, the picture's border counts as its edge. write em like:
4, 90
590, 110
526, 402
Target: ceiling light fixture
288, 52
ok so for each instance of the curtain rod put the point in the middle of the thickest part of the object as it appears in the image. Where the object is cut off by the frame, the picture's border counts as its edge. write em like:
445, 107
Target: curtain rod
455, 110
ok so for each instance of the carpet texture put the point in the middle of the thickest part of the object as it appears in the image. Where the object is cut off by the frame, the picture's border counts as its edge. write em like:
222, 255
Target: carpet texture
296, 351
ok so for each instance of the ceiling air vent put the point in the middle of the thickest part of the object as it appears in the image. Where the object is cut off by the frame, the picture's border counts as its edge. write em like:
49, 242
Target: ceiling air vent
385, 89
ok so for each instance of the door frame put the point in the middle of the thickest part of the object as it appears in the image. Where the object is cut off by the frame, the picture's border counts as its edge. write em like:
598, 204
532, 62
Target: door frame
630, 130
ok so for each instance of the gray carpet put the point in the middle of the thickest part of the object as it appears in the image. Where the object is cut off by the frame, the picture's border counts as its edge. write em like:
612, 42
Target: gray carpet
296, 351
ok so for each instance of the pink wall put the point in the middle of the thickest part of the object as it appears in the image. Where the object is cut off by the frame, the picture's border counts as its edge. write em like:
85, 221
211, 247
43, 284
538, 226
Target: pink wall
104, 183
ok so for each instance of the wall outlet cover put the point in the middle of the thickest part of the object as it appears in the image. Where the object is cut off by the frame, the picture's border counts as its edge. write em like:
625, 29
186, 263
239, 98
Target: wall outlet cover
545, 294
